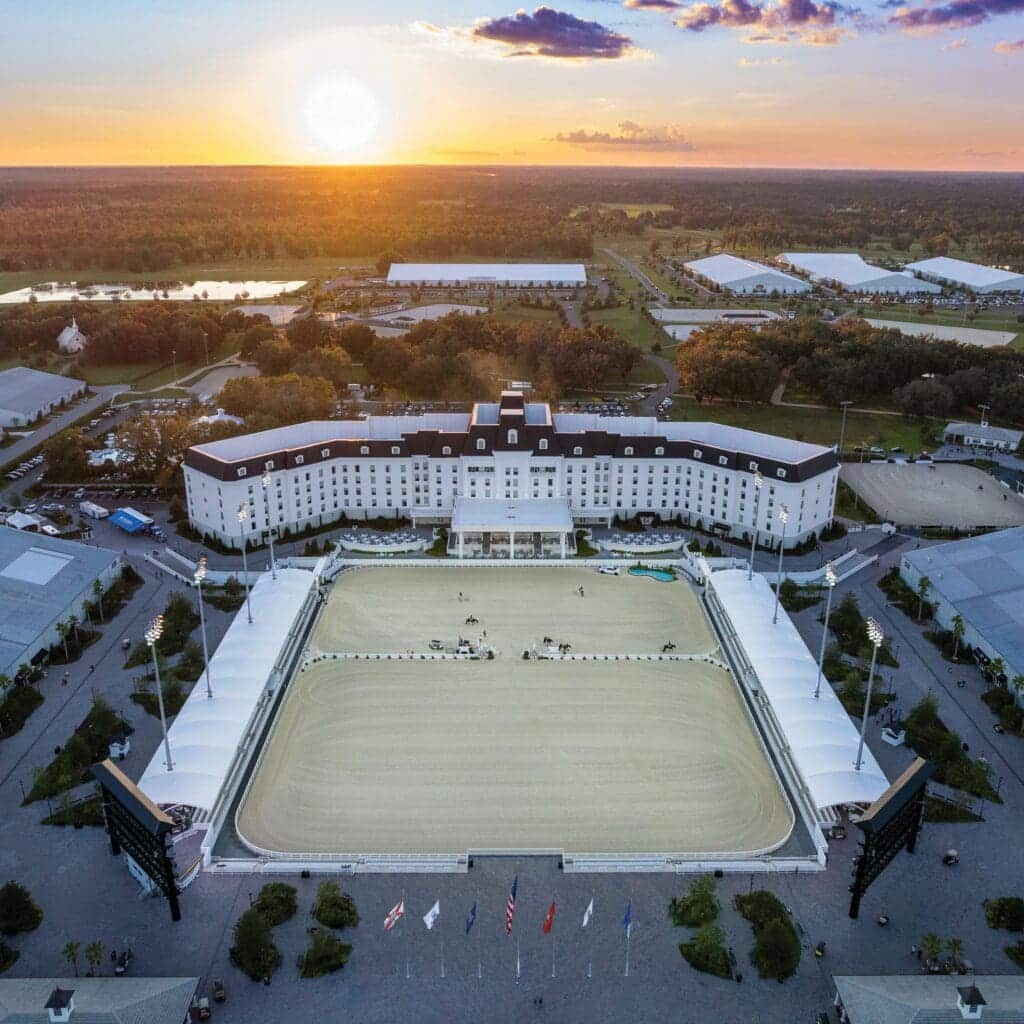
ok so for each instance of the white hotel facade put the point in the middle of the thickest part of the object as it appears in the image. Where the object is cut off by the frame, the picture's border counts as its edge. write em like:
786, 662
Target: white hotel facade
511, 478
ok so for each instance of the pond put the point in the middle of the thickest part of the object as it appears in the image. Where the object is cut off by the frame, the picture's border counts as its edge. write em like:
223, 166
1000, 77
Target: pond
229, 291
655, 574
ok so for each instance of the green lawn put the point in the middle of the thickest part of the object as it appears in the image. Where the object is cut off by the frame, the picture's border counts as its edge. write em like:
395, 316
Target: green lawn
145, 376
817, 426
513, 312
987, 320
631, 325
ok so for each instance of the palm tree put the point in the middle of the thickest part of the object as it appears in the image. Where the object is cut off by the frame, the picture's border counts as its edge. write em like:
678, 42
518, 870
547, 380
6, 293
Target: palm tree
955, 948
24, 672
5, 682
62, 631
998, 668
931, 946
71, 954
97, 590
958, 633
923, 586
73, 625
94, 955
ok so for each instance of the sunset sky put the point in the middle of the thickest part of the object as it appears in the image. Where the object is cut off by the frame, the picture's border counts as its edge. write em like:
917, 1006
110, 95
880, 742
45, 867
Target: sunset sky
933, 84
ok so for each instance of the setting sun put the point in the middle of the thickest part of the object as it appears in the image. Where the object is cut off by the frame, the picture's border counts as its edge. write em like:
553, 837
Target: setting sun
340, 114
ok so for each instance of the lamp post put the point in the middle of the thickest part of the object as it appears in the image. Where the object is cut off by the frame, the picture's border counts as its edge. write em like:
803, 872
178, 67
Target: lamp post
783, 516
758, 480
243, 515
876, 636
199, 576
265, 480
830, 582
155, 631
842, 427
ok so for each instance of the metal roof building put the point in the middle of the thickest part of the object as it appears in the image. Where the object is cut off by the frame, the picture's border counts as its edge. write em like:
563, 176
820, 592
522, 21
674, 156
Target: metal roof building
485, 275
975, 276
745, 277
930, 999
981, 435
27, 394
853, 274
43, 580
981, 579
109, 1000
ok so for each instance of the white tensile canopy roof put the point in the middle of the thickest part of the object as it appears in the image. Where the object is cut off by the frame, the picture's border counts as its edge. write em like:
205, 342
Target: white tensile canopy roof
526, 515
206, 733
488, 273
822, 738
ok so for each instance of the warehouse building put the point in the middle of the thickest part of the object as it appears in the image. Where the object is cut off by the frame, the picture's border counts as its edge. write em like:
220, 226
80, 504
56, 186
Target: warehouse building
973, 276
852, 274
981, 579
27, 394
487, 275
43, 581
460, 468
981, 435
745, 277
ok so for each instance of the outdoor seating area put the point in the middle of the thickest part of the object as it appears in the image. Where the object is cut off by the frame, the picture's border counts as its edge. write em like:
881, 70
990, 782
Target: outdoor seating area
376, 542
643, 543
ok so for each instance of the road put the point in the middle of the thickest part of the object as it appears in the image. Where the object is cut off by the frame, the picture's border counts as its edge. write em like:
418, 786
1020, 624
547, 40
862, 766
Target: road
649, 406
649, 286
572, 313
99, 398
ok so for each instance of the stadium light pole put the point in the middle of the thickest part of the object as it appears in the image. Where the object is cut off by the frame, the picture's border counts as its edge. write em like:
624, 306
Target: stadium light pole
842, 427
876, 636
265, 480
830, 581
155, 631
243, 515
199, 576
758, 480
783, 517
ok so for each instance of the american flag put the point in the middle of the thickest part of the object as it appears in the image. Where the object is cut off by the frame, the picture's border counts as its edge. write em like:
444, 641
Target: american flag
510, 907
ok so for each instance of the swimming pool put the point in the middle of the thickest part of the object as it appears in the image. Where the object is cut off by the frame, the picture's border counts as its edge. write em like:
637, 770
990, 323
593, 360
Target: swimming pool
655, 574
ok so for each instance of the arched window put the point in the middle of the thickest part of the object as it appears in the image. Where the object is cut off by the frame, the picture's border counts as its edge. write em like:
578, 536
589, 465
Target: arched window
542, 444
446, 450
481, 444
659, 450
628, 451
513, 436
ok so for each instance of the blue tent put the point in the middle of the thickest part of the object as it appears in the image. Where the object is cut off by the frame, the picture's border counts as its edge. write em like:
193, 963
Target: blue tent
129, 520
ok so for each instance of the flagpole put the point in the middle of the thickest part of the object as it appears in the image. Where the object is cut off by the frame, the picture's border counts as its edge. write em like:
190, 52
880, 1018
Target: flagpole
479, 958
442, 955
517, 961
552, 953
629, 929
405, 932
590, 948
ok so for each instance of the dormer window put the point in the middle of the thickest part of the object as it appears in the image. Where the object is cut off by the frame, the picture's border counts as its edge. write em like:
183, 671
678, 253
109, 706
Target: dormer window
481, 444
752, 466
325, 453
542, 444
697, 453
299, 460
446, 450
268, 465
513, 436
364, 449
243, 471
781, 474
659, 450
577, 450
628, 450
723, 460
395, 450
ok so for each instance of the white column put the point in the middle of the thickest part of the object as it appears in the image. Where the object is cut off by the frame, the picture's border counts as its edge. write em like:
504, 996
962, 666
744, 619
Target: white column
511, 545
561, 538
462, 540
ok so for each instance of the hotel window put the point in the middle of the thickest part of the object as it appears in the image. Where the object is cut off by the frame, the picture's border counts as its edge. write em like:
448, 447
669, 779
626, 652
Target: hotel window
395, 449
542, 444
299, 460
577, 450
481, 444
627, 451
364, 449
325, 453
781, 473
446, 450
513, 437
269, 464
697, 453
659, 450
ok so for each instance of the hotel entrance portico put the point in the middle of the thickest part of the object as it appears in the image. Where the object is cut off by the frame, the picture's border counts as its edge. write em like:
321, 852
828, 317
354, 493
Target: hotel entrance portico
511, 528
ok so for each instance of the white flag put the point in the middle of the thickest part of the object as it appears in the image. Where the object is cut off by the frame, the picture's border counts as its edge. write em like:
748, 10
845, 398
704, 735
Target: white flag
432, 914
588, 913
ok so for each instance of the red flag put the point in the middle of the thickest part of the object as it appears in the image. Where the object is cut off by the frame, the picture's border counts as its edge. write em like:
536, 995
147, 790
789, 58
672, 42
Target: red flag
549, 920
397, 911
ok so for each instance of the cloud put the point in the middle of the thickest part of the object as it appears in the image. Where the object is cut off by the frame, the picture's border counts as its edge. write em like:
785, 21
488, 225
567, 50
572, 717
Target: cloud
813, 22
955, 44
552, 34
758, 62
653, 5
1010, 48
954, 14
630, 136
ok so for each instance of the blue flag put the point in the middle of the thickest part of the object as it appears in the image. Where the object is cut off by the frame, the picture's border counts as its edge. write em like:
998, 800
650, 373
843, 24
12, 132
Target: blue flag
471, 920
628, 919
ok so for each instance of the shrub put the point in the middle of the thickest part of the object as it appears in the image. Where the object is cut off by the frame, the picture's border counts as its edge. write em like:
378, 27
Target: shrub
18, 911
18, 703
706, 952
1005, 912
276, 902
1016, 953
335, 908
254, 951
8, 956
699, 906
326, 954
776, 952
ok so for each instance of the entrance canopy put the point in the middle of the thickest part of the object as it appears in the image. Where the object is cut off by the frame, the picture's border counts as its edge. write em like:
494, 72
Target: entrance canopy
528, 515
129, 520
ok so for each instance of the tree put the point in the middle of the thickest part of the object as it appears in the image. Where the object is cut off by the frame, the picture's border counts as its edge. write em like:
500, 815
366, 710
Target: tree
931, 946
5, 683
156, 445
955, 948
18, 911
97, 591
67, 456
334, 908
94, 957
62, 632
997, 669
958, 633
776, 950
254, 951
923, 586
71, 954
73, 626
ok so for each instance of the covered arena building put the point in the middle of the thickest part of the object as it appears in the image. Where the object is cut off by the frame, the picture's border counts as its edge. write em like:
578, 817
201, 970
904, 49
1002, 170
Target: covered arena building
487, 275
973, 276
851, 273
745, 277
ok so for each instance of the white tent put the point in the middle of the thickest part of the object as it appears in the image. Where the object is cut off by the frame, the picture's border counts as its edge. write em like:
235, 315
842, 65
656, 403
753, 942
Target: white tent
745, 277
856, 275
979, 278
822, 738
206, 734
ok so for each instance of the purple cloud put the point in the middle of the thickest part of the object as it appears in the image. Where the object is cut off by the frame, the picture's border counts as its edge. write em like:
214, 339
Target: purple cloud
778, 22
954, 14
1010, 47
653, 5
550, 33
630, 136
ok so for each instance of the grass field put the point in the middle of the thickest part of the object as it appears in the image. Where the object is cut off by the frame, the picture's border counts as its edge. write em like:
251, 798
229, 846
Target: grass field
445, 757
818, 426
632, 325
512, 312
146, 376
986, 320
